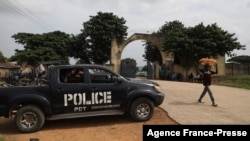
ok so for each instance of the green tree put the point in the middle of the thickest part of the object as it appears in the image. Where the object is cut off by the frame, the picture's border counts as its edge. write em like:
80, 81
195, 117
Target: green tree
151, 53
243, 59
2, 58
176, 40
212, 40
192, 43
41, 47
79, 49
97, 33
129, 61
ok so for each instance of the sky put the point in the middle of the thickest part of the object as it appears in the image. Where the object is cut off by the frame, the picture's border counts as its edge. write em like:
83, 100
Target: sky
142, 16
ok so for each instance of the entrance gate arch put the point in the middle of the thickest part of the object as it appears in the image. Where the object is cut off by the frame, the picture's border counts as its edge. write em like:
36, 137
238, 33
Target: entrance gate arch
116, 50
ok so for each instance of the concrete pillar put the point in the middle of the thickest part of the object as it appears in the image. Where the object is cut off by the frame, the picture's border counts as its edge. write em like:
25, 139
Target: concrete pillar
221, 65
157, 70
115, 56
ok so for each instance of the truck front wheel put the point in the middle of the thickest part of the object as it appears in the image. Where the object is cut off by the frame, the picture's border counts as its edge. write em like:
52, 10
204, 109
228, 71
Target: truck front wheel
142, 109
29, 118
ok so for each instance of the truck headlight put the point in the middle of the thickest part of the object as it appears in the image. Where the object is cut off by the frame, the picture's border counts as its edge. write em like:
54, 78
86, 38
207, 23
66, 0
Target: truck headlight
158, 89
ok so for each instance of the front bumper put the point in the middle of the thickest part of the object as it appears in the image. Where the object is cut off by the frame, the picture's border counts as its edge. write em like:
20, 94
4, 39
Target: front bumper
159, 98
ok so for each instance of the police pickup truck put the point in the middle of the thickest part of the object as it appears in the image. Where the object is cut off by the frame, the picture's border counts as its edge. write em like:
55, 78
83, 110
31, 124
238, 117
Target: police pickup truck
74, 91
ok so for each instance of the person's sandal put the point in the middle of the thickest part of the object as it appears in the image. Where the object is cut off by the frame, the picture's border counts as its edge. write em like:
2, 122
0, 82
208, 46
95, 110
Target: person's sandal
199, 101
215, 105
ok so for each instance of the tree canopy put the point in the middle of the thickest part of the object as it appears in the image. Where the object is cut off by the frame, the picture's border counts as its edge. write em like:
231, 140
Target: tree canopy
152, 53
3, 59
189, 44
169, 29
200, 41
244, 59
128, 61
93, 44
41, 47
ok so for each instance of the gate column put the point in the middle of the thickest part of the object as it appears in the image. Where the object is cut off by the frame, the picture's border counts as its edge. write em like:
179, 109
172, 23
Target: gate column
115, 56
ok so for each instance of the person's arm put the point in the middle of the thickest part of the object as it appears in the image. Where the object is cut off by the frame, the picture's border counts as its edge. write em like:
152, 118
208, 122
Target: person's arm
216, 69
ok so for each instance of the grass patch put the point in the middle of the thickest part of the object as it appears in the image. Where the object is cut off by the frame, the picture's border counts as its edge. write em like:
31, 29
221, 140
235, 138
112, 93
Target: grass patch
2, 138
239, 81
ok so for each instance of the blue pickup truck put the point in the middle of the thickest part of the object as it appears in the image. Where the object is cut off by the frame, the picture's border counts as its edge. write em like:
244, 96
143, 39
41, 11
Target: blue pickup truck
74, 91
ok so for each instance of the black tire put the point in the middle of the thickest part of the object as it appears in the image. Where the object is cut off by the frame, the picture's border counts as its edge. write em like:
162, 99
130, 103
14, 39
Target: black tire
142, 109
29, 119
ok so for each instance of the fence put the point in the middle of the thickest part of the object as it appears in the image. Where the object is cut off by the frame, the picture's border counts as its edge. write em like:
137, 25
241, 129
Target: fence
237, 69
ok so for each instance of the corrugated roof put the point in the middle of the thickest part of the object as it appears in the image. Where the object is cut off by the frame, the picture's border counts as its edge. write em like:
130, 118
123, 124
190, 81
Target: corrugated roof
9, 65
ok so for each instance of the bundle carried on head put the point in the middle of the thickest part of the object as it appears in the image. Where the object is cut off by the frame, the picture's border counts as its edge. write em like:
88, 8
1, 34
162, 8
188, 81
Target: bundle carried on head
207, 60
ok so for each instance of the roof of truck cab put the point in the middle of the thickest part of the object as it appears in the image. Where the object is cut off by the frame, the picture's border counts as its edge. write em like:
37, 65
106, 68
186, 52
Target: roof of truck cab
80, 65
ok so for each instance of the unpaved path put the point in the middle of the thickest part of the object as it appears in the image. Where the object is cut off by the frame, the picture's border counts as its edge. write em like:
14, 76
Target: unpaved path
181, 104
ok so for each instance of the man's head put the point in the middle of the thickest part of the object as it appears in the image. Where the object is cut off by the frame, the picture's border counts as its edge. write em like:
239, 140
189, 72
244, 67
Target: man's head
206, 67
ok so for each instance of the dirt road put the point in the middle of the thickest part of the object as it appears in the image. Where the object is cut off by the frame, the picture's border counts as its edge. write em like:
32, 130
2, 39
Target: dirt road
181, 104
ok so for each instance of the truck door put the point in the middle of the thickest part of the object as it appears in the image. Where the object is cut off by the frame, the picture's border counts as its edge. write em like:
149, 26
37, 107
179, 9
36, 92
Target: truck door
70, 92
104, 90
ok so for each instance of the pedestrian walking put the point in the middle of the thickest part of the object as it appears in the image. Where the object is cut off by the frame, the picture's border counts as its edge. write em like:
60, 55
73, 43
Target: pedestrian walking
207, 73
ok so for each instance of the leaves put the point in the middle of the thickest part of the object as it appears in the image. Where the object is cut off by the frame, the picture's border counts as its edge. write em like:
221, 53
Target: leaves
152, 53
189, 44
97, 35
244, 59
41, 47
2, 58
92, 45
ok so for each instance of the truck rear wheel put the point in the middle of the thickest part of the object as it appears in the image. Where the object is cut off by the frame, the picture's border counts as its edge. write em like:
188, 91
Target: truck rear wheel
142, 109
29, 118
